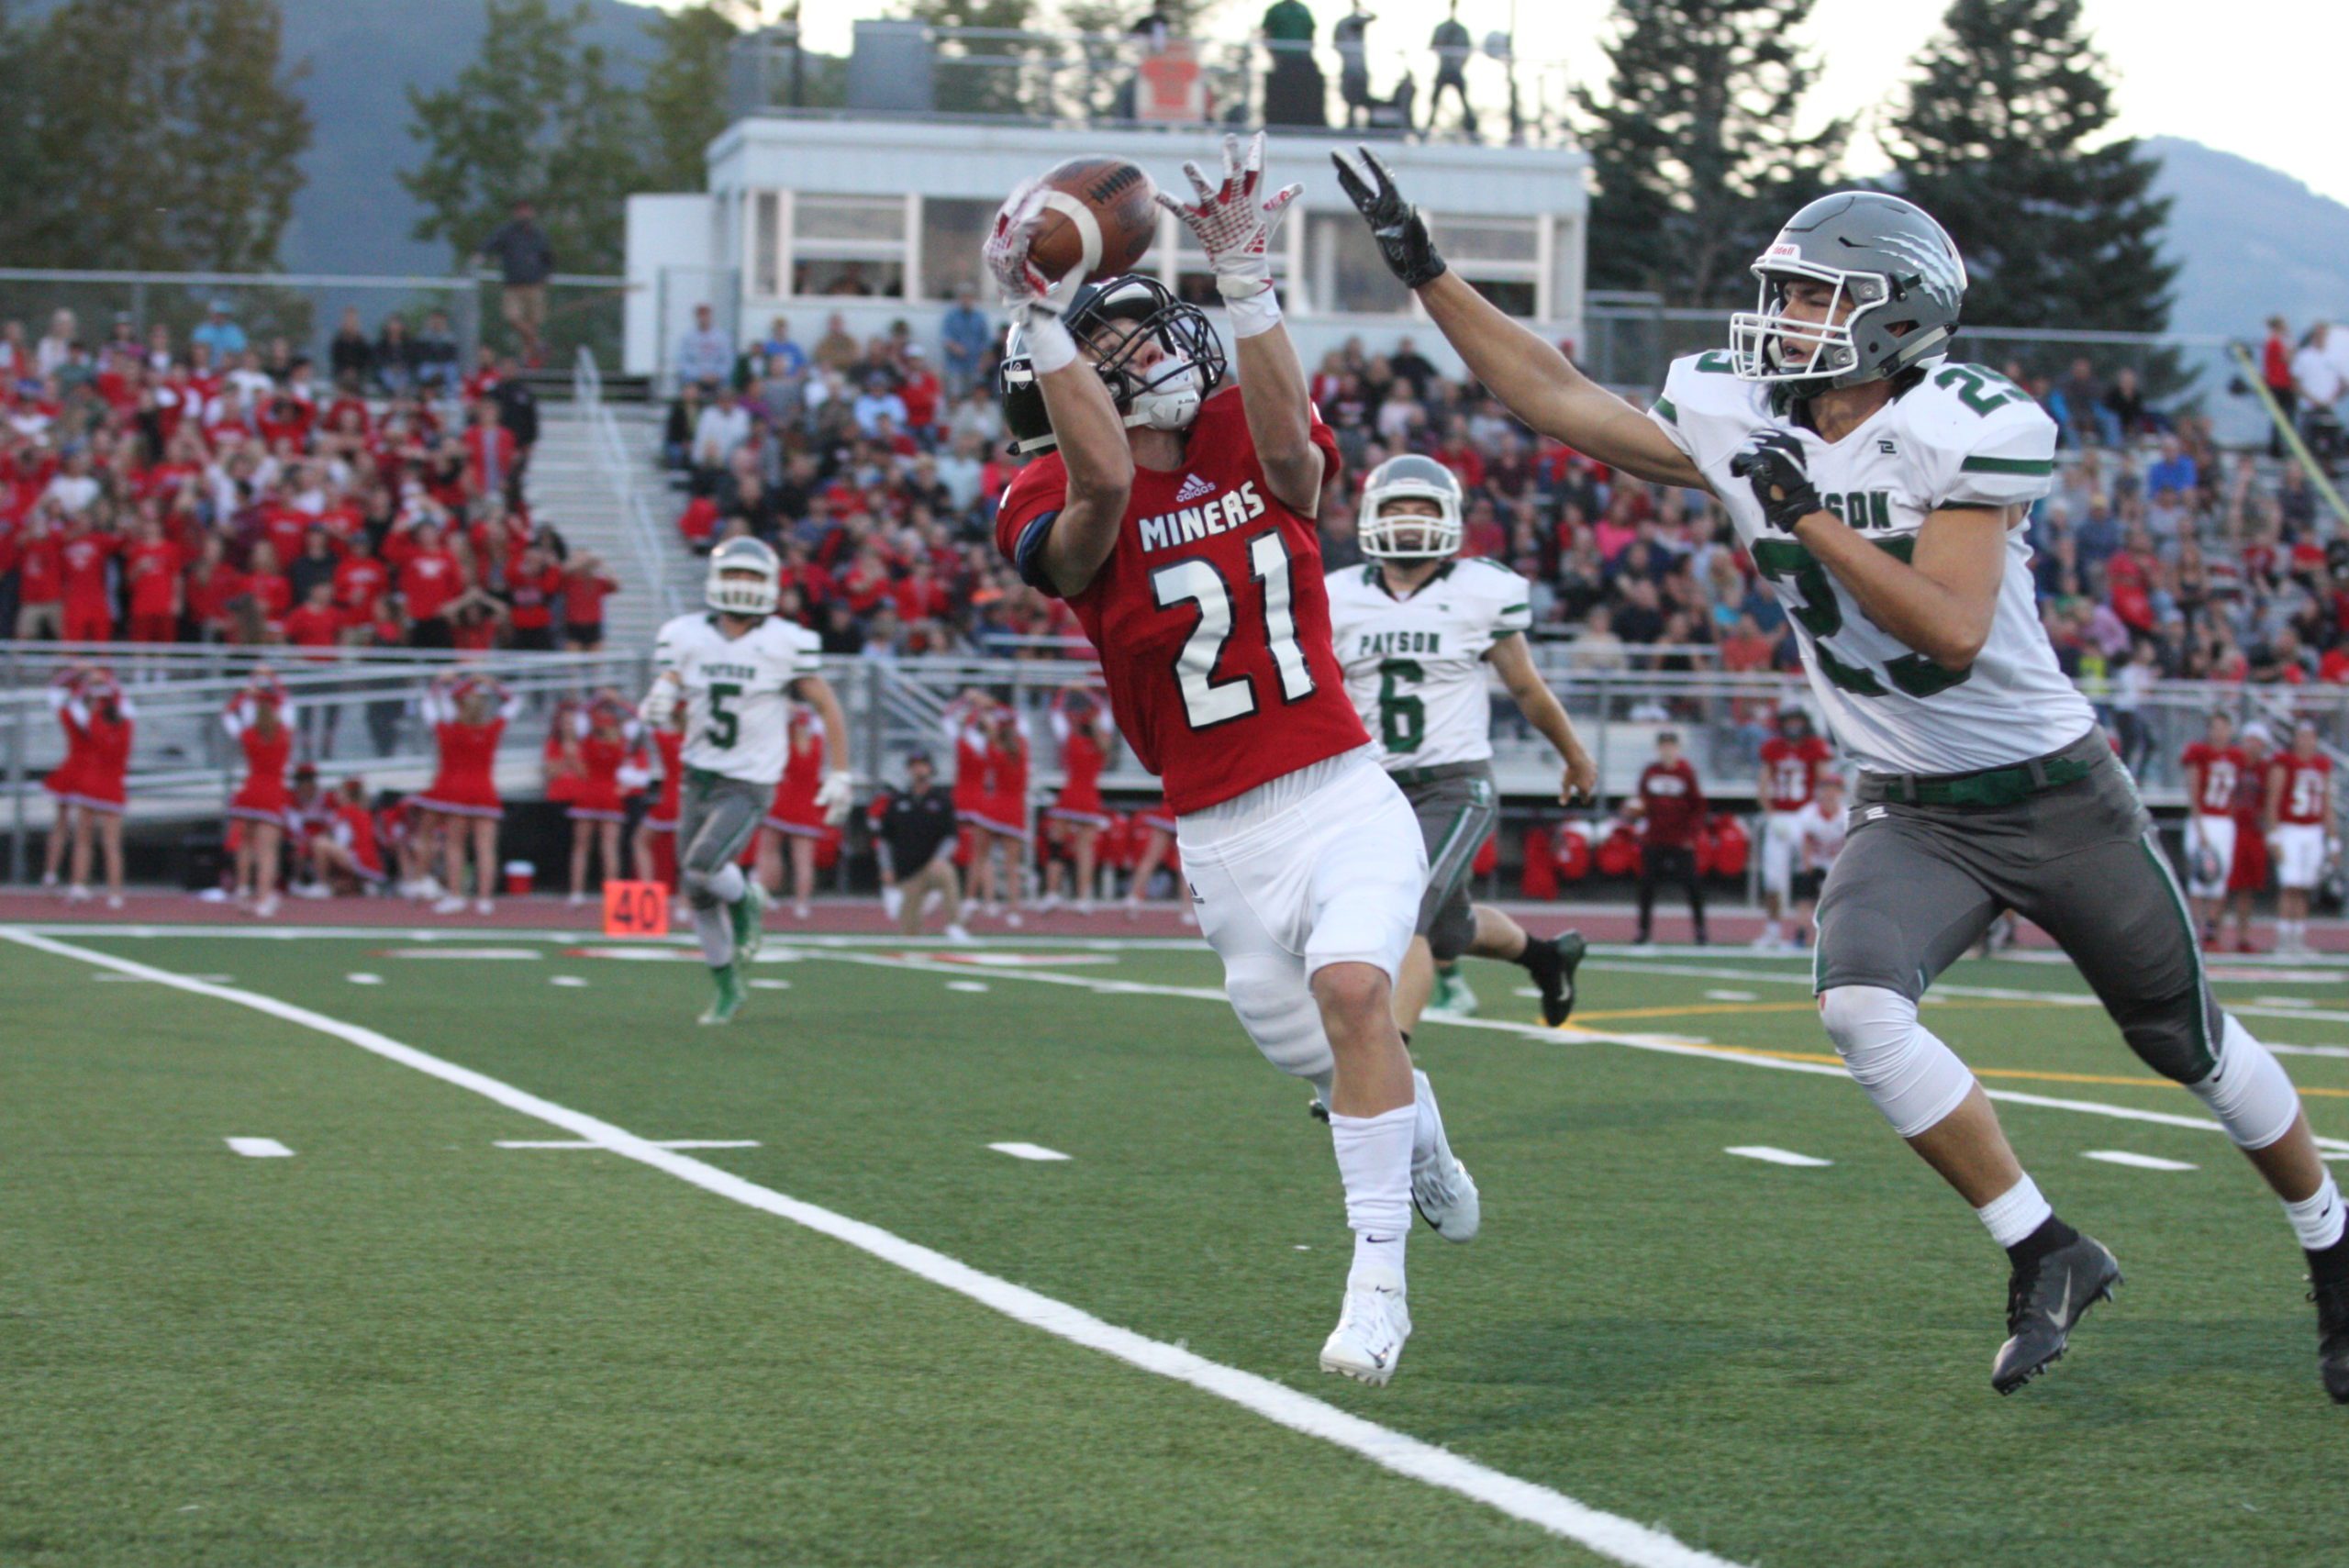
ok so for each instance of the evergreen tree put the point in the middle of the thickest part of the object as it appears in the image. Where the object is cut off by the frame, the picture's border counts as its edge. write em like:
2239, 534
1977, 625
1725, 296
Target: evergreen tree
688, 96
158, 135
1694, 149
535, 115
1991, 140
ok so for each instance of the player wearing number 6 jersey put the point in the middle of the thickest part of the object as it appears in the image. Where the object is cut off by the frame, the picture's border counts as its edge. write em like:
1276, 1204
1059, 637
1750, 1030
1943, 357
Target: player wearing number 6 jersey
1882, 489
1178, 522
732, 673
1416, 629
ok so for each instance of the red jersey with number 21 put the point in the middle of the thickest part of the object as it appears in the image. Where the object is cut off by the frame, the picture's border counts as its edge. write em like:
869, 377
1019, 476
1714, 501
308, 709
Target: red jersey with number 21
1210, 616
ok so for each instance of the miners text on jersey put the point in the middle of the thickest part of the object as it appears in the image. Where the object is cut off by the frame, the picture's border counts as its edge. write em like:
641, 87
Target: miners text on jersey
1188, 525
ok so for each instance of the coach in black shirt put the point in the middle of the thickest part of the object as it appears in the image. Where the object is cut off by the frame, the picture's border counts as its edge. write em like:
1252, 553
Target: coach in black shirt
917, 831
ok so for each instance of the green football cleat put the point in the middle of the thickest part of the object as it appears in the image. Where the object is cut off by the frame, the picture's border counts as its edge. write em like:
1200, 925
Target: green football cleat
750, 917
729, 1000
1452, 997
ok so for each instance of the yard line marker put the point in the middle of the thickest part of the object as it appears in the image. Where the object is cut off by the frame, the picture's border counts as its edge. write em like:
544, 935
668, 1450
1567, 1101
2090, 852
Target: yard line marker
476, 954
1026, 1150
364, 978
2280, 1049
258, 1148
2293, 1004
657, 1143
2135, 1161
1732, 996
569, 980
967, 985
1770, 1156
1611, 1535
768, 984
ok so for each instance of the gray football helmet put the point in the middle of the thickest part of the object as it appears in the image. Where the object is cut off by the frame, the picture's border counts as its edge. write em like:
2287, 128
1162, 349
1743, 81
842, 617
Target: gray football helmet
1382, 535
745, 578
1887, 259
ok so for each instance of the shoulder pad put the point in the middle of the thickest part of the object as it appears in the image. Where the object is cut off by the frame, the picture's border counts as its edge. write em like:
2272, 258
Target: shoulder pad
1981, 439
1706, 410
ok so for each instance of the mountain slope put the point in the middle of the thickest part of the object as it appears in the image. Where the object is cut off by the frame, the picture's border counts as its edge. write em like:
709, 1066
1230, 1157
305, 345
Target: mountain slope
2253, 243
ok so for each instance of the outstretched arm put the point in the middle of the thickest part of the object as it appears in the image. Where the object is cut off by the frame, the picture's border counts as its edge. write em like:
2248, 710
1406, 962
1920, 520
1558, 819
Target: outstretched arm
833, 794
1513, 660
1530, 377
1233, 224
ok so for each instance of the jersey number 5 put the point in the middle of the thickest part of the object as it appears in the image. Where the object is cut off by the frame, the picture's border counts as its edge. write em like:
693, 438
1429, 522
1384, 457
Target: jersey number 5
724, 725
1208, 702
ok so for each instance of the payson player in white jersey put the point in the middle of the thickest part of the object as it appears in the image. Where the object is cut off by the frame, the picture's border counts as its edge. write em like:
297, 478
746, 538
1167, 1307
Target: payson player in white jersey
1882, 489
734, 671
1415, 629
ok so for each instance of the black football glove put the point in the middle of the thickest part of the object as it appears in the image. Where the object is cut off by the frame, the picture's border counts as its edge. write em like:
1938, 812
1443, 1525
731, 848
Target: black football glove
1396, 224
1774, 464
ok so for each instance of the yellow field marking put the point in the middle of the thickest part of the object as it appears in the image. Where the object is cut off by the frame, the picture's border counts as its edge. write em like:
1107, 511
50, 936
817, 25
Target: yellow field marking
1835, 1061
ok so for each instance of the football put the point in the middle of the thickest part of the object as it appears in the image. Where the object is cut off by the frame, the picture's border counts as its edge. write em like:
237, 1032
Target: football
1102, 218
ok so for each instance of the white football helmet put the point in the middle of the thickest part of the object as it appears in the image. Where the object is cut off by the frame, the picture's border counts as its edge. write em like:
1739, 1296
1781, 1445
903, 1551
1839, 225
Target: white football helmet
1412, 477
745, 578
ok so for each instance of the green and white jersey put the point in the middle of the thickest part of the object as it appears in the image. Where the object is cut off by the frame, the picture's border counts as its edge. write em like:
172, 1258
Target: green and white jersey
1962, 437
738, 708
1415, 666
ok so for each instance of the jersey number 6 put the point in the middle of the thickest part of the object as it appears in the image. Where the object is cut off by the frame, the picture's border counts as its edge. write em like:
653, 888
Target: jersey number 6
1208, 702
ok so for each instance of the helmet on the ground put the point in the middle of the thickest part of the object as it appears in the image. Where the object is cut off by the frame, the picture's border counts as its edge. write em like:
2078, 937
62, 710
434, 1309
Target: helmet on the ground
745, 578
1887, 258
1409, 477
1165, 396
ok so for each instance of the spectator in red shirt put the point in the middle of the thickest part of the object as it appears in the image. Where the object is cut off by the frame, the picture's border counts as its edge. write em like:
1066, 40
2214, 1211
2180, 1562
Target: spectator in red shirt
269, 591
585, 586
491, 455
2275, 370
1672, 807
151, 565
360, 581
82, 559
532, 587
430, 579
40, 577
314, 623
917, 389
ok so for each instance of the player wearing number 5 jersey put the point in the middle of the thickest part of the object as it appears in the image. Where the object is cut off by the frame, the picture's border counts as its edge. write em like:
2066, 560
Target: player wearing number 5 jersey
1882, 491
1178, 522
1417, 628
2300, 828
732, 673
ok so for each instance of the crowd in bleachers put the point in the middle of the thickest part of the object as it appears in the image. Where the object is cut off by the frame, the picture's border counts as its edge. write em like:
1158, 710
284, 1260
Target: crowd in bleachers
222, 488
875, 475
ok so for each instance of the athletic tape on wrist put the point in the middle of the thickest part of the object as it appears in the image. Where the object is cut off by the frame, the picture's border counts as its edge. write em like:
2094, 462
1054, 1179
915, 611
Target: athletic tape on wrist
1254, 313
1050, 347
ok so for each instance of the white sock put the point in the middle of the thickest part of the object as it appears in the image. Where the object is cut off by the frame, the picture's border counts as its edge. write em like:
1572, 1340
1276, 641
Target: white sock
2015, 1213
728, 883
2318, 1220
1375, 1164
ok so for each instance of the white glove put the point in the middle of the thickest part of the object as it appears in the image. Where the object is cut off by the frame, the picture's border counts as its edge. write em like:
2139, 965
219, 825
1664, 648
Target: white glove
1232, 226
659, 704
1027, 293
832, 795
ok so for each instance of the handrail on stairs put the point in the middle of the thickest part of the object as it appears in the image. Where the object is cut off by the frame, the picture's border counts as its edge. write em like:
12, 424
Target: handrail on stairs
618, 471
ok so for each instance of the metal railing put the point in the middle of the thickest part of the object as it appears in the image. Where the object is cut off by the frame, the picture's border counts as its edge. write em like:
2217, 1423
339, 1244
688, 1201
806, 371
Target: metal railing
622, 474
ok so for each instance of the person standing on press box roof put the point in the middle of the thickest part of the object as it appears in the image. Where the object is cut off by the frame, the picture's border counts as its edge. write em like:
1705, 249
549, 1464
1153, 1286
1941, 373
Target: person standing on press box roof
1881, 489
733, 672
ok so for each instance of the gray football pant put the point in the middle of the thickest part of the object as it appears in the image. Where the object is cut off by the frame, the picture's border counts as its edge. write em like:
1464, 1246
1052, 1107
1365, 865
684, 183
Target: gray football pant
716, 817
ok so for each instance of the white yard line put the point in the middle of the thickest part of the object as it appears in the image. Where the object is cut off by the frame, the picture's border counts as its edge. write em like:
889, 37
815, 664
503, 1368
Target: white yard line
1770, 1156
257, 1148
1026, 1150
1609, 1535
2134, 1162
657, 1143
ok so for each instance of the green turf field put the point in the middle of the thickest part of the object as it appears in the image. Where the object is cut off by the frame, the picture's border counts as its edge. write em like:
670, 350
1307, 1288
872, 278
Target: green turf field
407, 1344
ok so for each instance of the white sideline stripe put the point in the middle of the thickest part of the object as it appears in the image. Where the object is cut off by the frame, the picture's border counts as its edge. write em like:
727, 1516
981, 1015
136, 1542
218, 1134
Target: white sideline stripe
1768, 1155
1026, 1150
657, 1143
256, 1148
2135, 1161
1609, 1535
2280, 1049
1664, 1045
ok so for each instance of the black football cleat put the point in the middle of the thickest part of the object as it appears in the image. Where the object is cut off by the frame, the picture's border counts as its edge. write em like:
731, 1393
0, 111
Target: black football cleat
1553, 962
2331, 1294
2044, 1299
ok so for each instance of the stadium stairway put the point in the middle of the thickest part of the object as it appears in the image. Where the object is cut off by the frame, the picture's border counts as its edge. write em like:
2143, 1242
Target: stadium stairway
568, 486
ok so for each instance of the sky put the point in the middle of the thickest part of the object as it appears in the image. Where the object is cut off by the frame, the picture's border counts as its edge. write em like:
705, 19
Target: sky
2260, 78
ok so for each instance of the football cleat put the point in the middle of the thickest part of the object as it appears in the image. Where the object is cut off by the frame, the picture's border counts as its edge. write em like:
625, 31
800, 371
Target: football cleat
2044, 1299
729, 1000
2329, 1291
1453, 998
1441, 1189
749, 914
1553, 964
1372, 1327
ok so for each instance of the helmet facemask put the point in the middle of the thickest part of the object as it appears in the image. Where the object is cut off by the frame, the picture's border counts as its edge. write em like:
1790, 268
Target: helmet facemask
745, 579
1409, 536
1165, 395
1771, 344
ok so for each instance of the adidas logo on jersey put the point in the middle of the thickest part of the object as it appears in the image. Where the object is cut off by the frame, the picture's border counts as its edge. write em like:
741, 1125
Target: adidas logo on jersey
1193, 488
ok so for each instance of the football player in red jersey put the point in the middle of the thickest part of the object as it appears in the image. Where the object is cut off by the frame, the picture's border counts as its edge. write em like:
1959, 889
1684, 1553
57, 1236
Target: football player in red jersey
2214, 765
1791, 760
1178, 521
2299, 830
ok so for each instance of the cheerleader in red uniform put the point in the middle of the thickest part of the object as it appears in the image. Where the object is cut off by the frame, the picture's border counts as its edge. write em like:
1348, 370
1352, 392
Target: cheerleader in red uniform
656, 835
468, 716
103, 714
346, 852
1003, 816
597, 811
260, 720
967, 732
794, 818
1155, 824
63, 781
1077, 816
